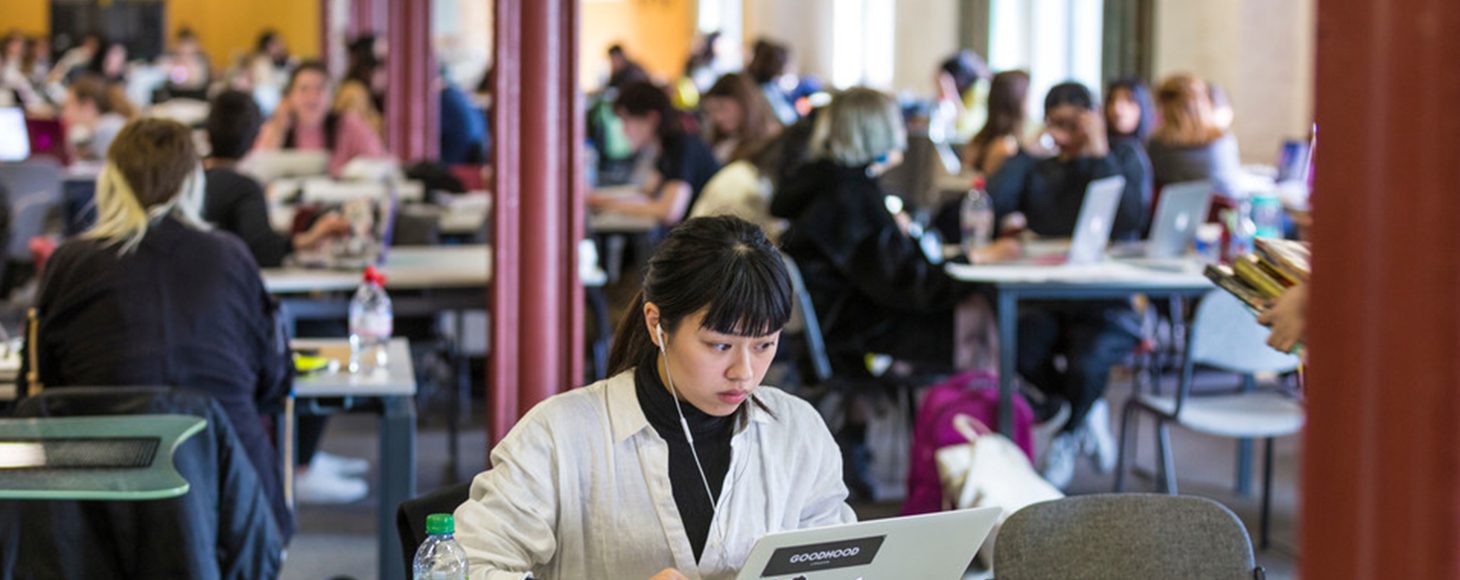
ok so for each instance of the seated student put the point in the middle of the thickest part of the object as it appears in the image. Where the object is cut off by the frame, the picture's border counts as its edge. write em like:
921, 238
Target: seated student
739, 119
873, 287
1092, 336
91, 118
682, 161
770, 67
605, 481
149, 296
303, 120
234, 202
188, 71
1189, 145
1000, 137
363, 88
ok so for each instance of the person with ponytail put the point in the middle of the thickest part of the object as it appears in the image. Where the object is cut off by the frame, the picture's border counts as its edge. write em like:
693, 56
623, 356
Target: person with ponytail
674, 466
150, 295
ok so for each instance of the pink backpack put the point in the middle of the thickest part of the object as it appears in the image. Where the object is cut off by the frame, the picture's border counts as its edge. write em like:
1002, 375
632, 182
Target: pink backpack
974, 393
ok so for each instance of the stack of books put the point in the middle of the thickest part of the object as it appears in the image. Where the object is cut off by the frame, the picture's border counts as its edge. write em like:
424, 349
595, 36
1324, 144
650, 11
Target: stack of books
1264, 275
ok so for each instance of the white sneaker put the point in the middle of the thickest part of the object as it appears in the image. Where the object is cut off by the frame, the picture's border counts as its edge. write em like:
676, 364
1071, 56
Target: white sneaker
1059, 460
1099, 441
318, 486
347, 466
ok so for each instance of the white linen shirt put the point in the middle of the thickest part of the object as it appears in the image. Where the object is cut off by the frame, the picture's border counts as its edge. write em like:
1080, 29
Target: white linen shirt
579, 489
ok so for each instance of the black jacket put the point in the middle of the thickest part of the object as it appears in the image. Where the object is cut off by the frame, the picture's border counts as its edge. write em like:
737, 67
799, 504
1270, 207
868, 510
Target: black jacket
186, 309
222, 528
864, 275
235, 204
1050, 191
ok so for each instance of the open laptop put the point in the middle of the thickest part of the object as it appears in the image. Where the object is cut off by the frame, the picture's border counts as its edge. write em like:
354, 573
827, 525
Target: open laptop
1097, 217
1182, 208
937, 545
14, 138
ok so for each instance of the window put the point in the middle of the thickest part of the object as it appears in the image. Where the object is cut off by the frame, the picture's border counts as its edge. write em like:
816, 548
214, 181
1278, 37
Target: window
862, 43
1055, 40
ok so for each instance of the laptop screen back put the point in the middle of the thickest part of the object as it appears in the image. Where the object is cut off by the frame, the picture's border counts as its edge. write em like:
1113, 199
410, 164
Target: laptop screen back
1097, 217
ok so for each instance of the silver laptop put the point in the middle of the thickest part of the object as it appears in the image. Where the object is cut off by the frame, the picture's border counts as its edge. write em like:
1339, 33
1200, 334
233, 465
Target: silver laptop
935, 546
14, 138
1097, 216
1182, 208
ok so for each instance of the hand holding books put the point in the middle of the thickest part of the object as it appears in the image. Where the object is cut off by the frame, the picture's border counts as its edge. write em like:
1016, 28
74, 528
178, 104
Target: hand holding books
1273, 283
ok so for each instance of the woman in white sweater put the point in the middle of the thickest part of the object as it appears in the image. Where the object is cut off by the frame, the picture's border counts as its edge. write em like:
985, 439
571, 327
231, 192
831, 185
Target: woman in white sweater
674, 466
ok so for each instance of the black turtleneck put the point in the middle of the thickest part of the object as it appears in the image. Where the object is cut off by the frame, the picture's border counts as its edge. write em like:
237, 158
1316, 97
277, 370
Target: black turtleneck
712, 441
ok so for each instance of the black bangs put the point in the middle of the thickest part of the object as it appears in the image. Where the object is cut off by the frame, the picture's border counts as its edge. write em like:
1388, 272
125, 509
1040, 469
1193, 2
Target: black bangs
723, 266
749, 295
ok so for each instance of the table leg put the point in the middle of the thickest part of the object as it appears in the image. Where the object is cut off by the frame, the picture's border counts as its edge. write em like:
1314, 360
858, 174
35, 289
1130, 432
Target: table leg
397, 479
1008, 305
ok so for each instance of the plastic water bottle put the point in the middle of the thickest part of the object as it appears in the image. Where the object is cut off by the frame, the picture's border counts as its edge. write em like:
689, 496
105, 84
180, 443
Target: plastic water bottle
371, 323
439, 557
1267, 215
976, 218
1241, 230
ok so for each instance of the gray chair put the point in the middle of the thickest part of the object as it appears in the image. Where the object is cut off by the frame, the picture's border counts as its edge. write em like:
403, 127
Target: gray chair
34, 188
1125, 536
410, 517
1223, 336
804, 320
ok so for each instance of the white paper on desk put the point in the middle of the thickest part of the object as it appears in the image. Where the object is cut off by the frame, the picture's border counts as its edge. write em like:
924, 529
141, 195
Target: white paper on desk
1108, 271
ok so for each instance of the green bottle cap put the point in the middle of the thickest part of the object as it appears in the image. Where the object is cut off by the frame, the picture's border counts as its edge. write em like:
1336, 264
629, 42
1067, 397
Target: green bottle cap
440, 524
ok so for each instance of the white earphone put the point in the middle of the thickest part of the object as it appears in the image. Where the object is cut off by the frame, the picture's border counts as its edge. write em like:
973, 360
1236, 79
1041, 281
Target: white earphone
659, 333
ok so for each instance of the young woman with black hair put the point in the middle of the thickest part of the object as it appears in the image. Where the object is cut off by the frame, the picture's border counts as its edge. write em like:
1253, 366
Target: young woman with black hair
683, 163
681, 459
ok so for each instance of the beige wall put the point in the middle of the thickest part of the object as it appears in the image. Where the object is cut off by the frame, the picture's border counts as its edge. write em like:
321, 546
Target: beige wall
657, 34
1259, 50
804, 25
927, 33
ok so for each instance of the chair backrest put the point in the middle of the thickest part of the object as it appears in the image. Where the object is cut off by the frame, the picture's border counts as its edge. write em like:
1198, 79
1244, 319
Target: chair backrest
35, 190
1124, 536
225, 526
1226, 335
810, 325
410, 517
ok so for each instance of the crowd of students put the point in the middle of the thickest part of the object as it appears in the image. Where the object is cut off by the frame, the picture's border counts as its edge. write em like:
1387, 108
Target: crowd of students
810, 179
165, 288
94, 88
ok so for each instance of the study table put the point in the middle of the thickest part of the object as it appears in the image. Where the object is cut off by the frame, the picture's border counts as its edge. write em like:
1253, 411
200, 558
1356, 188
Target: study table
1111, 279
390, 392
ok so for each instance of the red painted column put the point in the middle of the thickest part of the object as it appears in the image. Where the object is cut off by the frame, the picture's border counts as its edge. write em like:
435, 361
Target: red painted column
1381, 473
368, 16
412, 101
537, 298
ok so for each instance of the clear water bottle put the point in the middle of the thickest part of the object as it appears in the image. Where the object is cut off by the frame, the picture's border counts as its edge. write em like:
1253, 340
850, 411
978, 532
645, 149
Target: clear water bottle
976, 218
1267, 215
1241, 231
439, 557
371, 323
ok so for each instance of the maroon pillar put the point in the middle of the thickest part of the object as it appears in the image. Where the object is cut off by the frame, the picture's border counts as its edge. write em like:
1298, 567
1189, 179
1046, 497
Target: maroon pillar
1381, 476
412, 103
368, 16
537, 298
